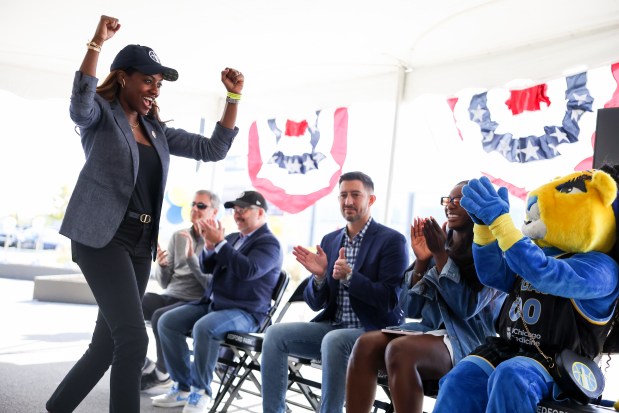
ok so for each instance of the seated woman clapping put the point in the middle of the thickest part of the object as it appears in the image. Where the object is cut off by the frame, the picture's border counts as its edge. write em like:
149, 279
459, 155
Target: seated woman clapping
455, 311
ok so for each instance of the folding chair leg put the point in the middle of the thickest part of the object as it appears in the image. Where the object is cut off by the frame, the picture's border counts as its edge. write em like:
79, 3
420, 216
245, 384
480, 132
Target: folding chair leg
225, 387
304, 387
237, 388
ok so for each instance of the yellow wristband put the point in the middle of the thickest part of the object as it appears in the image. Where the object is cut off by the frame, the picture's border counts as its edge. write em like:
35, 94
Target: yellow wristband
234, 96
482, 235
505, 232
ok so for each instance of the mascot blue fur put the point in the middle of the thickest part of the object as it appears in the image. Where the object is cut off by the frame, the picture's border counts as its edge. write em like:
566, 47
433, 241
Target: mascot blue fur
562, 282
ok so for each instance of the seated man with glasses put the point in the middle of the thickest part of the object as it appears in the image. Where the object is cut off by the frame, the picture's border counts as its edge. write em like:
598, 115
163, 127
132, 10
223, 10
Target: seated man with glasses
357, 273
181, 283
243, 268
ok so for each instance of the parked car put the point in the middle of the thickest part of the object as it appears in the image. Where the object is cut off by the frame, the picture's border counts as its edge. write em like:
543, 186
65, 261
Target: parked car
4, 238
48, 238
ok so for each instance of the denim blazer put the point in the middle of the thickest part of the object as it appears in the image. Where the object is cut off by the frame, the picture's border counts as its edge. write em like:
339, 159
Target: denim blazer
107, 179
444, 299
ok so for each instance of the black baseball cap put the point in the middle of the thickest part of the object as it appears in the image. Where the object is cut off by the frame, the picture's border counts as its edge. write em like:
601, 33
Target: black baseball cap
143, 59
247, 199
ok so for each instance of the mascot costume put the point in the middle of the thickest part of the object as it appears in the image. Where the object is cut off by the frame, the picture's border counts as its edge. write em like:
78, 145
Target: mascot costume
562, 282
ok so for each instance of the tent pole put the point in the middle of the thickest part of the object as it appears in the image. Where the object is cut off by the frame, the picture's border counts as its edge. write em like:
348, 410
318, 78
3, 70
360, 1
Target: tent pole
399, 95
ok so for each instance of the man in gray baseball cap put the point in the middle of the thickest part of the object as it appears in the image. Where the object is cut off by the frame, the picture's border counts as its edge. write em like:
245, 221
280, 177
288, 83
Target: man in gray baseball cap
244, 268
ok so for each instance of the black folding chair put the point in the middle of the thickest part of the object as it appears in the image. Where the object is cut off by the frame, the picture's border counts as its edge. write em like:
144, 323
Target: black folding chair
246, 348
297, 383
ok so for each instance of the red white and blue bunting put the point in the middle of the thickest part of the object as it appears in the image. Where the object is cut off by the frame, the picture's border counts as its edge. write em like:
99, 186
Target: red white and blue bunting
534, 147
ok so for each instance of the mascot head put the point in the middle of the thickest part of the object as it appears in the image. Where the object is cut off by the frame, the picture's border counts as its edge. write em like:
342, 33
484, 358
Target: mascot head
573, 213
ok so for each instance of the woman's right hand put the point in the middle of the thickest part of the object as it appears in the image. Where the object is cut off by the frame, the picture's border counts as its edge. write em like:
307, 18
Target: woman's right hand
106, 29
418, 240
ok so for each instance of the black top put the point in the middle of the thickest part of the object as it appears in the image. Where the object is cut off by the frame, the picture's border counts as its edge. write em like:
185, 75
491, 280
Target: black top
147, 186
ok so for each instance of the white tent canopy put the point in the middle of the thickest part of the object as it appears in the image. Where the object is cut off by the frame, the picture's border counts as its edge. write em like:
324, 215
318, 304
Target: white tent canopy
310, 54
298, 56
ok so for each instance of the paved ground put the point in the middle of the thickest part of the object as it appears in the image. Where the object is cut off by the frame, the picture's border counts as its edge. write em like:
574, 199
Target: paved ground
39, 343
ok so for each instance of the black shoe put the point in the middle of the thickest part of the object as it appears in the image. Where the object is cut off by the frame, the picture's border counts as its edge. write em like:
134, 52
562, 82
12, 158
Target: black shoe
151, 380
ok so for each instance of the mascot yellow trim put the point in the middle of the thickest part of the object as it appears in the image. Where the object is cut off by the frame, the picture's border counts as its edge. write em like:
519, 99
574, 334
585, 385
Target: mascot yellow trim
482, 235
505, 232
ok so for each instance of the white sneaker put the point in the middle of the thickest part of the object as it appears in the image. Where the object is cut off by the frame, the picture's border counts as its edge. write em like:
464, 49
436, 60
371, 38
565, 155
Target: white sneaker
198, 402
172, 398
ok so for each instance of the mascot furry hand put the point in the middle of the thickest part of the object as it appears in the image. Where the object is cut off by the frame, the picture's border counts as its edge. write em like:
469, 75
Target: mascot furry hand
562, 287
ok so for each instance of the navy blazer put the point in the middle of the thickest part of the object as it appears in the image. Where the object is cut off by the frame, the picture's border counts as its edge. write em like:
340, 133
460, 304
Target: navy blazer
107, 179
376, 279
244, 278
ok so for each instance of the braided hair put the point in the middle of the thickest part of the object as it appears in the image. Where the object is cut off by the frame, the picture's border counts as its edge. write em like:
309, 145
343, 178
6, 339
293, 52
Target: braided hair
462, 253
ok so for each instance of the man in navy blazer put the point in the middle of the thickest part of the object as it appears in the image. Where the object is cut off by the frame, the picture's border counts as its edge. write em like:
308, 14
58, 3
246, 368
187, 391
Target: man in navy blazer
243, 268
356, 277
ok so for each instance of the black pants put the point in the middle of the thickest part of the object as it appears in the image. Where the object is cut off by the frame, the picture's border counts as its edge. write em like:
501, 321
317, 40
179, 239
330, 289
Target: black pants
117, 274
154, 306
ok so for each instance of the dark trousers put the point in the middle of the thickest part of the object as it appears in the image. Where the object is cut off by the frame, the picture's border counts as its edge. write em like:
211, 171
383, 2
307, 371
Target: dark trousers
154, 306
117, 275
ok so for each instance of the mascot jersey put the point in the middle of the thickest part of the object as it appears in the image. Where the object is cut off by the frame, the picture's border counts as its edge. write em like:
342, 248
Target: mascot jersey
566, 302
554, 321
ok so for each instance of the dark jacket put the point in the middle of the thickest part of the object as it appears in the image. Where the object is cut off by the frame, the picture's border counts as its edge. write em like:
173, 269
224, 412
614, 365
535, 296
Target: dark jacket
105, 184
244, 278
376, 280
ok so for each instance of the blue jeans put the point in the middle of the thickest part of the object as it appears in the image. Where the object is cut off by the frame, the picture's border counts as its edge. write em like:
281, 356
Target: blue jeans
321, 340
209, 329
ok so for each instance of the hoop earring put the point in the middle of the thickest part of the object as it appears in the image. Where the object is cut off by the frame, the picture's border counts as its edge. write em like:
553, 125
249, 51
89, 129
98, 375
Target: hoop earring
123, 83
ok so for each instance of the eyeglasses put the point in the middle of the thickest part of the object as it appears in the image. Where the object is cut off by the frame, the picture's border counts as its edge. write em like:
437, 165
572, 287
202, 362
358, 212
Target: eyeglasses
446, 200
200, 205
241, 211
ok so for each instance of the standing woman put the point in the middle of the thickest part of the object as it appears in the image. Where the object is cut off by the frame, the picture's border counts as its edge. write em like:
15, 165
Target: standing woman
457, 312
113, 216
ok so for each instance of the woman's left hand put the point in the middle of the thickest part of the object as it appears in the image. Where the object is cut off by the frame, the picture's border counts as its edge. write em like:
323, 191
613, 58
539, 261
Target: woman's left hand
233, 80
435, 236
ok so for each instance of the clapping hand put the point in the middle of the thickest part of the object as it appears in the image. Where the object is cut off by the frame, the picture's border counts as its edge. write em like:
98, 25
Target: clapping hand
212, 231
483, 202
162, 256
418, 240
435, 236
188, 243
316, 263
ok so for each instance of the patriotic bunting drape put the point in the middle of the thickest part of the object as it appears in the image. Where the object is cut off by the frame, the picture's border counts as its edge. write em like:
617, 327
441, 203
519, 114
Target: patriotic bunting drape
535, 128
295, 162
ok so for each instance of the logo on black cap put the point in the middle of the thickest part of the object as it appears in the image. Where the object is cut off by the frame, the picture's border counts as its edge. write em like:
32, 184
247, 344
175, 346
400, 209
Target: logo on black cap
246, 199
154, 56
143, 59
